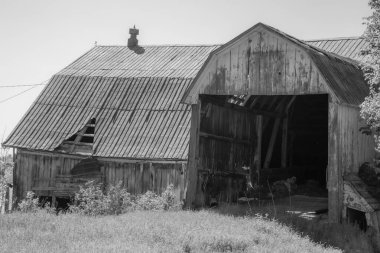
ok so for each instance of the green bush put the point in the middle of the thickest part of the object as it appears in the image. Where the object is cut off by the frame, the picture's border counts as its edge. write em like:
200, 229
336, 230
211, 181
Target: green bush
30, 204
152, 201
92, 200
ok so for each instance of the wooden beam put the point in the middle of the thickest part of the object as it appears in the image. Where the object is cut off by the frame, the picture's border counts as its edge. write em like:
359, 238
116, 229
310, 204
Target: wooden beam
223, 138
285, 127
241, 108
78, 138
284, 143
333, 173
55, 154
192, 169
272, 141
290, 103
257, 155
255, 100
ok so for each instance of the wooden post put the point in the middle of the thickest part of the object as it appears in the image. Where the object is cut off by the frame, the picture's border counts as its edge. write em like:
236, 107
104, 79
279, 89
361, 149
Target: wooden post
53, 201
2, 201
284, 144
192, 169
15, 188
285, 126
334, 205
272, 141
10, 199
257, 156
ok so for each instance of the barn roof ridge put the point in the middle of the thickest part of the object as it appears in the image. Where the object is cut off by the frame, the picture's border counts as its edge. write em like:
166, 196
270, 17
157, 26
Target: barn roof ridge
167, 45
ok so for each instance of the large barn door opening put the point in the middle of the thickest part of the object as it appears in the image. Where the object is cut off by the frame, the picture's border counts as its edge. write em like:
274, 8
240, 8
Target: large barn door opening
248, 144
300, 148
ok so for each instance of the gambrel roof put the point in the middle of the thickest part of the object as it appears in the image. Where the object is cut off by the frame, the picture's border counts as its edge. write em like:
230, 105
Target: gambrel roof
342, 77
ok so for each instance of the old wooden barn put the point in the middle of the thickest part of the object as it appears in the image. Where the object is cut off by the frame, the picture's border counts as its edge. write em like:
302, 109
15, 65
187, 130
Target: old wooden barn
282, 108
263, 107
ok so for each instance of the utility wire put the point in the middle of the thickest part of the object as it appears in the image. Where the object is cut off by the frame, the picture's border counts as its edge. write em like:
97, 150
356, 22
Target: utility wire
18, 94
24, 85
22, 92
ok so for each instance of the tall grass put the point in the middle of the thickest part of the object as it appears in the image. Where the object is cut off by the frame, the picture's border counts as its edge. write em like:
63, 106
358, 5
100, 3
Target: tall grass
344, 236
149, 231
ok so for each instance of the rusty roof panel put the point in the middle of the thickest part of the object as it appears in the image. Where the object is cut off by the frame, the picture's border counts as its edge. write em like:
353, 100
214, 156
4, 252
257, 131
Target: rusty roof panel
135, 100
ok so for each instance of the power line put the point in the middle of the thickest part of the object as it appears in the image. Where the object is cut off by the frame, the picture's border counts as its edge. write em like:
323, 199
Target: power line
18, 94
23, 85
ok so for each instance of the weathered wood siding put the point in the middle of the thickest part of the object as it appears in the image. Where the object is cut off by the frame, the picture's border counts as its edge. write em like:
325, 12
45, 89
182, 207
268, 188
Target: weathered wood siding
355, 148
226, 141
348, 149
37, 170
235, 151
260, 63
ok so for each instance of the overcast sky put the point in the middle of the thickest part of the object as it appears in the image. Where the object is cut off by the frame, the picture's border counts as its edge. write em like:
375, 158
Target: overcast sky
40, 37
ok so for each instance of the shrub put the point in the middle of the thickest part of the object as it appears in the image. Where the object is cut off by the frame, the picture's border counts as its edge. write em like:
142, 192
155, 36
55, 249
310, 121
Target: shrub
92, 200
6, 177
152, 201
119, 199
29, 204
149, 201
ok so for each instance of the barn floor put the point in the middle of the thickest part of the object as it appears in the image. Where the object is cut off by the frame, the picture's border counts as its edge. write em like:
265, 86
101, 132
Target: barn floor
304, 206
300, 205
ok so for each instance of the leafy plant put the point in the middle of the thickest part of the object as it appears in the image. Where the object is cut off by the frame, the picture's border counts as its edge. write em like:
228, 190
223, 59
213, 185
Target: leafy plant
370, 108
92, 200
30, 204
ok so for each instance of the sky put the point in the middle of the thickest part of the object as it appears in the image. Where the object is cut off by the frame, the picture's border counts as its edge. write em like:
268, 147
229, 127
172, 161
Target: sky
40, 37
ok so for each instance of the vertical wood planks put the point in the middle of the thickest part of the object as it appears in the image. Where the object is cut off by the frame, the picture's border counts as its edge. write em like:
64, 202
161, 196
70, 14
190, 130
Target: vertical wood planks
39, 170
257, 155
333, 167
192, 174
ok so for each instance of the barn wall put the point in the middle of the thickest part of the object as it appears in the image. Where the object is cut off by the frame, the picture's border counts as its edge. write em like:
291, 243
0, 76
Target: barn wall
37, 170
260, 63
355, 148
348, 149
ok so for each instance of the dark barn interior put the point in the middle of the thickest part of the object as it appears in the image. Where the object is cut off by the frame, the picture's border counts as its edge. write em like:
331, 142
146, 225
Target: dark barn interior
262, 141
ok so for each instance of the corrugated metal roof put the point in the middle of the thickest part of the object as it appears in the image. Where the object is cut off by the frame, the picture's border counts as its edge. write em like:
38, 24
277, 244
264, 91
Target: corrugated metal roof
156, 61
349, 47
135, 100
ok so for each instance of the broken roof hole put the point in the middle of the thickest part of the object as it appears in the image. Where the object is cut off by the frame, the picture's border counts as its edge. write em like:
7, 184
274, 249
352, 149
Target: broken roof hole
84, 135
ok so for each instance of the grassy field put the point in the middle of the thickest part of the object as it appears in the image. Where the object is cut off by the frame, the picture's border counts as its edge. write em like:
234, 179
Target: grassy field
149, 231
